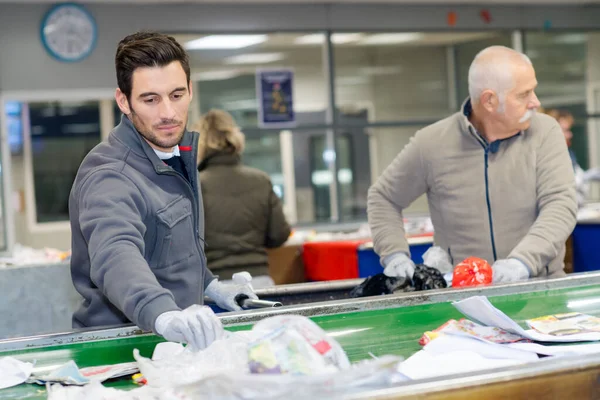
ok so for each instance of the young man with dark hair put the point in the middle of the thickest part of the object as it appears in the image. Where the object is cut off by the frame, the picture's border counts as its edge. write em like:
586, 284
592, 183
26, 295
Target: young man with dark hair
136, 210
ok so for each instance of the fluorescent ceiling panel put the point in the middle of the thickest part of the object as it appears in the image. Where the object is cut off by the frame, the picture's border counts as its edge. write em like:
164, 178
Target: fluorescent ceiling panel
319, 38
214, 42
254, 58
391, 38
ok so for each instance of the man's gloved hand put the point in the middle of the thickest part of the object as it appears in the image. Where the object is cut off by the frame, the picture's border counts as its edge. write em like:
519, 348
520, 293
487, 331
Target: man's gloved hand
438, 258
198, 326
224, 294
399, 265
509, 270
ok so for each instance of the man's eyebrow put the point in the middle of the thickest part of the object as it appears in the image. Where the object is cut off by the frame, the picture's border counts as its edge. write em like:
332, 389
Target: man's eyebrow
146, 94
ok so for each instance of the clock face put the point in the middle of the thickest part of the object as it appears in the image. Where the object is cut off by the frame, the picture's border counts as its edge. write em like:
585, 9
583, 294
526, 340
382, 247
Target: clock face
68, 32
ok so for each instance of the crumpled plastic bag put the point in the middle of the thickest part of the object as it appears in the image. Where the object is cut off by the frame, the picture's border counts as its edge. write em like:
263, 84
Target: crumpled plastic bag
379, 284
283, 344
293, 344
424, 278
473, 271
223, 355
373, 374
301, 361
427, 278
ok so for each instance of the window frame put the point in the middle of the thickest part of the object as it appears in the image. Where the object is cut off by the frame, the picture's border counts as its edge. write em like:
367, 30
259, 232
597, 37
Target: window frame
103, 97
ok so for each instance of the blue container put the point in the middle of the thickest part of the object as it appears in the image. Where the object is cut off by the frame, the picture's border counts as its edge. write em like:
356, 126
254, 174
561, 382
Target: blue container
586, 256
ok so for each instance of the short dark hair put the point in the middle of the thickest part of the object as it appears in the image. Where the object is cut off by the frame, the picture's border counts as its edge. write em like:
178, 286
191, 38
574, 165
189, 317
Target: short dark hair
147, 49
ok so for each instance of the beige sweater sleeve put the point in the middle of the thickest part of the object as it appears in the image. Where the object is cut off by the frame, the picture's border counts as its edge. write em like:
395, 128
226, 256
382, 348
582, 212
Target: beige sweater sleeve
402, 182
556, 203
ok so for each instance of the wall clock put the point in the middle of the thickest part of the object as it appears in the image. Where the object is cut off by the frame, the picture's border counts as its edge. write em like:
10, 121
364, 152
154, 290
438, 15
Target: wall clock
68, 32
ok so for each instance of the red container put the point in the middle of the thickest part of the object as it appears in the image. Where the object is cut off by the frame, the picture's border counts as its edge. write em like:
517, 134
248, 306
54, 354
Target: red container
328, 261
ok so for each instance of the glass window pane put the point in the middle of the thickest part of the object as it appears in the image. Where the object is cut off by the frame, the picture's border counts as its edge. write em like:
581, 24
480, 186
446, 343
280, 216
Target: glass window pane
13, 113
388, 143
579, 142
393, 75
354, 165
263, 152
62, 133
560, 65
224, 71
593, 125
14, 121
320, 177
311, 175
353, 174
467, 49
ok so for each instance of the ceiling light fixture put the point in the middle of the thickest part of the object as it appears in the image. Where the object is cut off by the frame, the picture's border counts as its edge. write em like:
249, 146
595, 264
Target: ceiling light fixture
215, 75
214, 42
254, 58
319, 38
391, 38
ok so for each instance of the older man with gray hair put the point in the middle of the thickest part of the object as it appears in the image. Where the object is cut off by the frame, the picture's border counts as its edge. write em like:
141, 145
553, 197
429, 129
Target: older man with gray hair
498, 179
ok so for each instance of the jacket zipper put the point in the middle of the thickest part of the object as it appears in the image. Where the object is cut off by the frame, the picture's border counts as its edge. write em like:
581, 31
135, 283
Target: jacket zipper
195, 212
487, 199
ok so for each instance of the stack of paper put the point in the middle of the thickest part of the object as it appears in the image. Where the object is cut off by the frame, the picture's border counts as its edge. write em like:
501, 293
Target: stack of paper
480, 309
496, 341
565, 324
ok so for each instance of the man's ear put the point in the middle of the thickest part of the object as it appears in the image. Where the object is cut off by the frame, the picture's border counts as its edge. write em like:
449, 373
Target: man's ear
489, 100
122, 102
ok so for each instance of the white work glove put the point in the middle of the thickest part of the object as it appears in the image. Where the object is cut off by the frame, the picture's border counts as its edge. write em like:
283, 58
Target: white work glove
438, 258
224, 294
399, 265
509, 270
198, 326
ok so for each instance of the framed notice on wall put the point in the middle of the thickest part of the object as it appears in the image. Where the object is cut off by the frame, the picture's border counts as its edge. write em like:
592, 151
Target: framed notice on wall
274, 91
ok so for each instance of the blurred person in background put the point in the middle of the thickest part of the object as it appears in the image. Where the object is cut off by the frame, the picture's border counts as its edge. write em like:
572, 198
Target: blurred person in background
243, 215
582, 177
566, 121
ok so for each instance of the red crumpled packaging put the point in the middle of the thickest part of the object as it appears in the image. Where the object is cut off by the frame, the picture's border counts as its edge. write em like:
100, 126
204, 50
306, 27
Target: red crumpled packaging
472, 271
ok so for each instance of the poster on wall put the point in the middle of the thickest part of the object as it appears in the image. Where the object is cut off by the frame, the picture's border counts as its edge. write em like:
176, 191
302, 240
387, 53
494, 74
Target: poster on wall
274, 91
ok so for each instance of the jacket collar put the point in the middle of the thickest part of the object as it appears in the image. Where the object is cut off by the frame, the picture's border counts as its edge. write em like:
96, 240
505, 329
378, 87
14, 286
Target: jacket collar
127, 134
219, 157
467, 127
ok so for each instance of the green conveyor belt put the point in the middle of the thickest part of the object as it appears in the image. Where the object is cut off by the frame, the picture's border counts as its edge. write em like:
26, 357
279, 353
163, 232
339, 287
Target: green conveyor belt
389, 331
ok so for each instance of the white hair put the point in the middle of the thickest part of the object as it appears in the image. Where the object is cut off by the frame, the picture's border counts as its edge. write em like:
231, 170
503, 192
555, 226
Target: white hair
492, 69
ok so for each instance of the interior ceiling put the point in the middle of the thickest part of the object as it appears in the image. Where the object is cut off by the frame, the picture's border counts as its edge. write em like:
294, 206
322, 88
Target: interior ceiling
418, 2
278, 40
